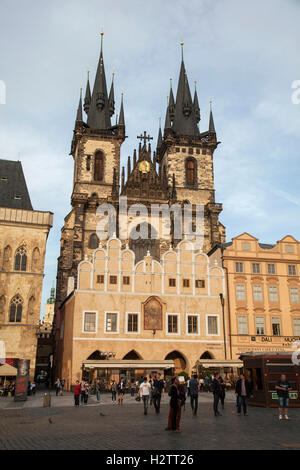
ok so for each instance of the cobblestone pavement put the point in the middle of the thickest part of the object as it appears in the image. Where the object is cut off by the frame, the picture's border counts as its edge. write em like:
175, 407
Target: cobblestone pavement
113, 427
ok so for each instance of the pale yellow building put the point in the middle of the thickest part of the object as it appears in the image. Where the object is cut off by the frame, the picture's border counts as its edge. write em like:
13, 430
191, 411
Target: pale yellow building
23, 236
263, 293
149, 311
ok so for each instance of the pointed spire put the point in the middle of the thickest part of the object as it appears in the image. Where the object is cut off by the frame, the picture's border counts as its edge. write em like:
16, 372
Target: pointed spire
159, 139
168, 125
196, 104
171, 103
128, 167
111, 99
99, 114
88, 96
114, 191
79, 109
122, 117
211, 121
123, 177
185, 122
134, 158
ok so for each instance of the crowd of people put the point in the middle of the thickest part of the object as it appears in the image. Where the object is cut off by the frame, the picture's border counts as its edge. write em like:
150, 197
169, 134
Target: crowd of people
150, 391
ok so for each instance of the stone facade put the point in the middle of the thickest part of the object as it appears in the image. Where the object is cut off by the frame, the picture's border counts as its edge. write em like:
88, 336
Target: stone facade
263, 293
23, 234
110, 282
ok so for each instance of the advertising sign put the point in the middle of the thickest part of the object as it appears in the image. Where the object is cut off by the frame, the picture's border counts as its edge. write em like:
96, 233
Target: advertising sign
22, 380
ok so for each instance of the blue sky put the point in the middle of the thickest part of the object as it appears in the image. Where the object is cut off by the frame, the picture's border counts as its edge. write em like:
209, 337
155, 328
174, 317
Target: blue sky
244, 56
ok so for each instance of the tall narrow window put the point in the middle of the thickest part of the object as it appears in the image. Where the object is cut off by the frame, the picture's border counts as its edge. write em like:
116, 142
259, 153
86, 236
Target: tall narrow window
192, 324
132, 323
296, 323
273, 294
212, 325
239, 267
90, 322
257, 294
191, 172
260, 325
21, 259
15, 310
242, 325
294, 294
99, 166
111, 323
276, 326
240, 292
172, 324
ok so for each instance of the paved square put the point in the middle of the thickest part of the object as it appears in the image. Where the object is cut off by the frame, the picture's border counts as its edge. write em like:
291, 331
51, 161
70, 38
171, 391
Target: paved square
112, 427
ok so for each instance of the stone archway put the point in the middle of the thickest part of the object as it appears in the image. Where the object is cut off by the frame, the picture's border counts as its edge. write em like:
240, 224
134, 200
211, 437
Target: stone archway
132, 356
206, 355
179, 362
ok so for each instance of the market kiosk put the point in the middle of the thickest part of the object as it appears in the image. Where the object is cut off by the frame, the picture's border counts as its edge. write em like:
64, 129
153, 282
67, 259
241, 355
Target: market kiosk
263, 370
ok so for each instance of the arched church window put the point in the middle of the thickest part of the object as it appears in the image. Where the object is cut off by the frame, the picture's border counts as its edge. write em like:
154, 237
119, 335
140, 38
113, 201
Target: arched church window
93, 241
21, 259
190, 171
99, 166
15, 309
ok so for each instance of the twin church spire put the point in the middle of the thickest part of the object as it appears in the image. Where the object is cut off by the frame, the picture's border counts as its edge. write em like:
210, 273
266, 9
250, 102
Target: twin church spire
99, 105
183, 115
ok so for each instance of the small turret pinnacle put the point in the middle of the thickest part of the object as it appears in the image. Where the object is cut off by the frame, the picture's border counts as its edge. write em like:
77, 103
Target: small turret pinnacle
88, 96
111, 99
79, 110
211, 120
121, 116
196, 104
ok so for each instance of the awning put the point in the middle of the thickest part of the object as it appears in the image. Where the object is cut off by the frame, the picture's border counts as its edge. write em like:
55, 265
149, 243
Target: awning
128, 364
215, 363
6, 370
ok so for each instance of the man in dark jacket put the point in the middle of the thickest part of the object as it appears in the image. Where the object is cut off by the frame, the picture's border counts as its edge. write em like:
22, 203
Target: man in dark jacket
243, 390
194, 390
158, 390
217, 391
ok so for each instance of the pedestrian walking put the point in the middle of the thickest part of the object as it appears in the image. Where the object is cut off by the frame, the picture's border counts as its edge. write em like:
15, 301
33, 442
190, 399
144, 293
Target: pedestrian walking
217, 391
157, 392
223, 392
173, 394
121, 390
77, 392
82, 391
145, 390
113, 390
98, 389
283, 388
181, 400
62, 386
194, 391
57, 386
243, 390
86, 393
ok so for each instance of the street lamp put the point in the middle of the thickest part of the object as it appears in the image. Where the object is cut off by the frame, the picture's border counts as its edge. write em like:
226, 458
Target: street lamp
223, 314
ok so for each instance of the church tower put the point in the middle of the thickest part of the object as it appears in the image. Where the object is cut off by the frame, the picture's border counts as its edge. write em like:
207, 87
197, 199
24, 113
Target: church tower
95, 150
185, 157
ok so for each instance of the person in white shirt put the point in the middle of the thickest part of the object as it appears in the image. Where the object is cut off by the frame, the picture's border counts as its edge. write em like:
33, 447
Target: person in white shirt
144, 391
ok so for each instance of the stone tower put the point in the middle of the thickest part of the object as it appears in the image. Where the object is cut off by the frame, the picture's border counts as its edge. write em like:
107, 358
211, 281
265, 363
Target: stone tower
185, 157
96, 152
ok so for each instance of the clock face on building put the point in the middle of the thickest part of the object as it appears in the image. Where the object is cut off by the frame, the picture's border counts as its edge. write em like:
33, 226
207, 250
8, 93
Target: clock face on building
144, 166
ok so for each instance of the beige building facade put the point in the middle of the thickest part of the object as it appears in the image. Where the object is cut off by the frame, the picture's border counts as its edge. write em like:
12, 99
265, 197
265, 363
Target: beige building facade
145, 311
23, 236
263, 293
